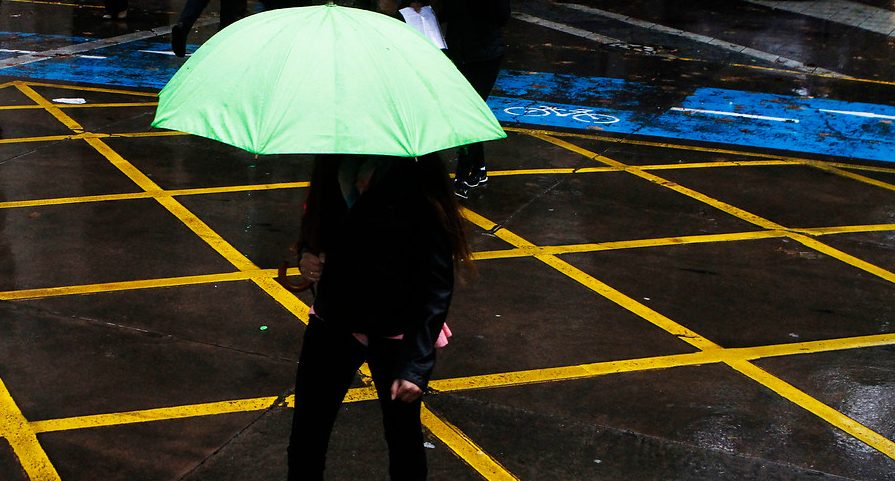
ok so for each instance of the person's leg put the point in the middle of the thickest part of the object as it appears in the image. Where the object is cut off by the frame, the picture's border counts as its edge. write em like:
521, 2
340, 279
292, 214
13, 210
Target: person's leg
190, 13
327, 365
471, 169
231, 11
115, 9
181, 29
403, 430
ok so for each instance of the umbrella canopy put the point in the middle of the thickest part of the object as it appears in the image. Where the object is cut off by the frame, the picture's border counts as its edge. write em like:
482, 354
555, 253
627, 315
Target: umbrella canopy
325, 79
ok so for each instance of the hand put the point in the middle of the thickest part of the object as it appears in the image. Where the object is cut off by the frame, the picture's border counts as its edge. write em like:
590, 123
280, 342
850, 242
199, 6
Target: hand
311, 266
405, 391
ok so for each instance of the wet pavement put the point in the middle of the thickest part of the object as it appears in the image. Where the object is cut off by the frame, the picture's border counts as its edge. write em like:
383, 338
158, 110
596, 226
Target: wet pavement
686, 257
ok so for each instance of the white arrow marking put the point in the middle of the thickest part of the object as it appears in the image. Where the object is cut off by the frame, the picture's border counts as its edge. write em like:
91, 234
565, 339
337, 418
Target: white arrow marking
735, 114
860, 114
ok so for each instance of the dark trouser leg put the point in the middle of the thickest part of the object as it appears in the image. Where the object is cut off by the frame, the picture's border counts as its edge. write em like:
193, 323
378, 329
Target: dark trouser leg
327, 365
482, 76
403, 431
191, 12
231, 11
115, 6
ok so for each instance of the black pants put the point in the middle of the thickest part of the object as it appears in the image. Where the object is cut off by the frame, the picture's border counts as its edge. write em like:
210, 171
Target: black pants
327, 365
231, 11
482, 76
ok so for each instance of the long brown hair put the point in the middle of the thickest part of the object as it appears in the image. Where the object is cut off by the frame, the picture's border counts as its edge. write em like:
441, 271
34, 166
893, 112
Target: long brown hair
436, 184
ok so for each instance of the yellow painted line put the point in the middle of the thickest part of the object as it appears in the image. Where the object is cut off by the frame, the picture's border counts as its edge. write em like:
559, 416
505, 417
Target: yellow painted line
50, 107
92, 89
482, 255
133, 285
842, 256
80, 106
221, 246
465, 448
194, 223
583, 371
646, 143
46, 138
803, 400
639, 172
501, 173
812, 405
485, 381
23, 440
597, 286
846, 229
730, 209
149, 415
868, 168
772, 159
567, 373
851, 175
16, 204
729, 163
153, 133
151, 195
632, 244
357, 394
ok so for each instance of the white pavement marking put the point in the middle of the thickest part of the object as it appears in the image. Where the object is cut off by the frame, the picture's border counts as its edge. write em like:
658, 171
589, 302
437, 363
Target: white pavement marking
7, 50
161, 52
742, 49
860, 114
566, 28
853, 14
736, 114
88, 46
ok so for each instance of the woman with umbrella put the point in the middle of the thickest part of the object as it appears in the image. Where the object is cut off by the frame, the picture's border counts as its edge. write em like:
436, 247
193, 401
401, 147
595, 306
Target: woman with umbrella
380, 236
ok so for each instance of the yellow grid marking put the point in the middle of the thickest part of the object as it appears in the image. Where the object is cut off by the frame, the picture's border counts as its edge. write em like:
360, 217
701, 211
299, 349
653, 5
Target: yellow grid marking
23, 440
133, 285
151, 195
91, 89
851, 175
468, 450
801, 399
592, 283
484, 381
631, 244
725, 207
79, 106
812, 405
149, 415
584, 371
528, 251
463, 446
50, 107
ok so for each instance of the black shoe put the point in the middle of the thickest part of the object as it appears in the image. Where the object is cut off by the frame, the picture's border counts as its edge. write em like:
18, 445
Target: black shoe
178, 40
477, 179
119, 15
461, 190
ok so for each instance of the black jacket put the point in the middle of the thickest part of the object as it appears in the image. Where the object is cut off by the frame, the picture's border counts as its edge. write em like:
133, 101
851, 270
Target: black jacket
389, 263
473, 29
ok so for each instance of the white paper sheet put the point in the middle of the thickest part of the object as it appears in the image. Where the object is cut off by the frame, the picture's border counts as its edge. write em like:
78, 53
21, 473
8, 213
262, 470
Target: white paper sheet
426, 22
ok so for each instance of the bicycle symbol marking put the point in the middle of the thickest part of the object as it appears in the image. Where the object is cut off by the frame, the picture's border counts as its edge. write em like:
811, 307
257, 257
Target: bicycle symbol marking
587, 116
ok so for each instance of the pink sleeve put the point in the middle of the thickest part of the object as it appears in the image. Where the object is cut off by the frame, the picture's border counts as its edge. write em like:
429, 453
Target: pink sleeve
443, 336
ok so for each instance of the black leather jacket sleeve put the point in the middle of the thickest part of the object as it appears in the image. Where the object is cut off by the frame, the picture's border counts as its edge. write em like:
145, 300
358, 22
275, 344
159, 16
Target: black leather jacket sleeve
434, 288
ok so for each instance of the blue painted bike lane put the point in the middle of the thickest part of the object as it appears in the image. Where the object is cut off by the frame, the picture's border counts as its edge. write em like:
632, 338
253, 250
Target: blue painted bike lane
540, 99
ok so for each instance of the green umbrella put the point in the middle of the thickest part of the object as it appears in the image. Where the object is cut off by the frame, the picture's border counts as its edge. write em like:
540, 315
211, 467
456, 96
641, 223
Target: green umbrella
325, 79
